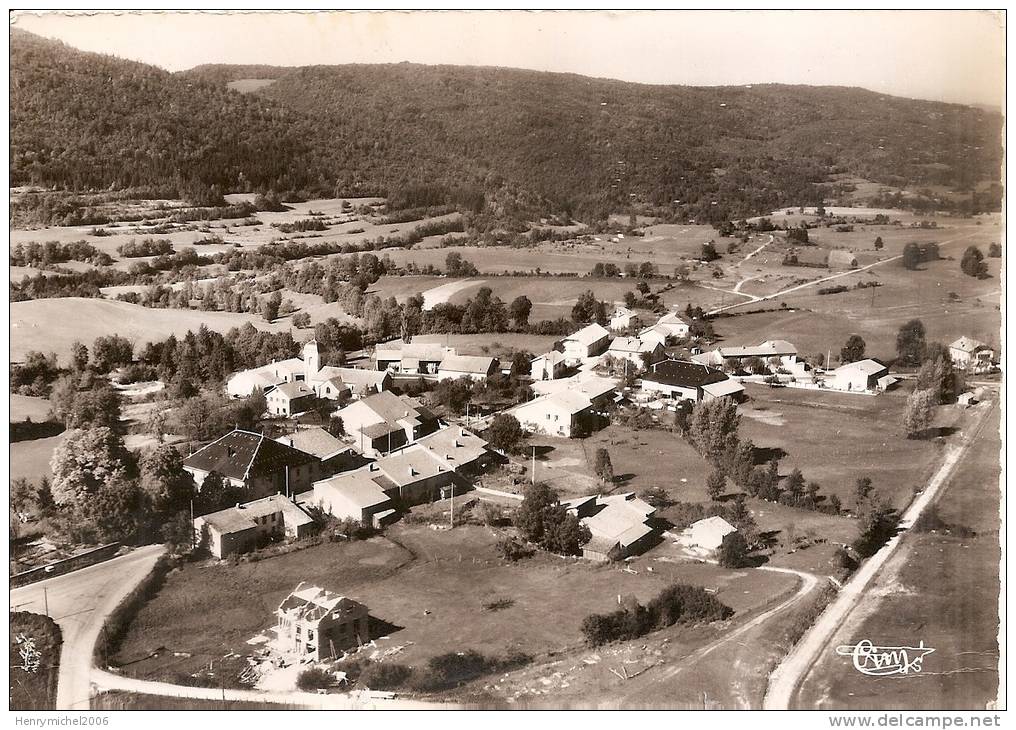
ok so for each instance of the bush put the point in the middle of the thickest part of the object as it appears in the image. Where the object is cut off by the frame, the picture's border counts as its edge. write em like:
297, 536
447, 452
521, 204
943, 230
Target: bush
313, 679
678, 604
511, 549
381, 676
453, 669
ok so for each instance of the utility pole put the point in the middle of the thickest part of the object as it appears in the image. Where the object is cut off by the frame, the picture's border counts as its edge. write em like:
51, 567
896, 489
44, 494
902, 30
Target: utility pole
451, 520
533, 474
45, 599
192, 523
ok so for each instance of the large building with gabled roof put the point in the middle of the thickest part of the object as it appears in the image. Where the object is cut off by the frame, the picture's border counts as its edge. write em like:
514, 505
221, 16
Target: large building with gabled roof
254, 462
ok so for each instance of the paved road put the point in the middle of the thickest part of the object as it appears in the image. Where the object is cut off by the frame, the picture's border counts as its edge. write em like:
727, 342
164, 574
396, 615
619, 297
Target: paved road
350, 701
80, 602
785, 680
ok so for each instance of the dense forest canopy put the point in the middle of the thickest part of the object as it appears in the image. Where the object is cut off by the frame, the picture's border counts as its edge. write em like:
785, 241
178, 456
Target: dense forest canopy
522, 141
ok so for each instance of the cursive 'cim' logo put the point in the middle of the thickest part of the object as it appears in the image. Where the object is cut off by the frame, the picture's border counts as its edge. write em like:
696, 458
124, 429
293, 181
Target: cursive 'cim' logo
882, 661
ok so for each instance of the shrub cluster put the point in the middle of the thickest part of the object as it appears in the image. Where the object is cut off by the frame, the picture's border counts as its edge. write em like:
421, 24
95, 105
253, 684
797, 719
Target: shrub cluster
680, 603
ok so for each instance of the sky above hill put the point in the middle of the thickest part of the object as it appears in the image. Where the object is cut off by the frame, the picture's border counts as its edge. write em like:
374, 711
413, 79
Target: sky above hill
954, 56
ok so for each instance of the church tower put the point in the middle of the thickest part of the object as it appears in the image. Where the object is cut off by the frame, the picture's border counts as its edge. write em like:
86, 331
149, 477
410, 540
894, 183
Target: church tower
311, 361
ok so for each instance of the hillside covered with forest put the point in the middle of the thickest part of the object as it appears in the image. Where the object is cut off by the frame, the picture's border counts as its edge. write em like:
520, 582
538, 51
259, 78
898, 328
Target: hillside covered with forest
516, 142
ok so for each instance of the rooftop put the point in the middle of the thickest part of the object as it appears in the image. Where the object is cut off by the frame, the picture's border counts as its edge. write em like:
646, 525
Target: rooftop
684, 374
313, 604
589, 334
868, 367
316, 441
474, 364
769, 348
294, 390
242, 454
410, 465
358, 488
397, 350
968, 345
454, 446
243, 517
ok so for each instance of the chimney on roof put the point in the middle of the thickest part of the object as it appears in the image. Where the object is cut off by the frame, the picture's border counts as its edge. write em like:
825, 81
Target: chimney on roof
462, 432
372, 467
457, 444
230, 451
412, 471
239, 506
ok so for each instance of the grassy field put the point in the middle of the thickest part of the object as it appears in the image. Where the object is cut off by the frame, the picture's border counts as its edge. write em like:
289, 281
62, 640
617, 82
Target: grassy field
431, 586
34, 689
53, 325
24, 407
940, 588
835, 438
30, 459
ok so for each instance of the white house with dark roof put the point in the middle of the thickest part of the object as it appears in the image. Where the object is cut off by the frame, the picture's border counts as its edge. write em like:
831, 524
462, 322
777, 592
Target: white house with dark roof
353, 495
245, 526
970, 354
685, 380
254, 462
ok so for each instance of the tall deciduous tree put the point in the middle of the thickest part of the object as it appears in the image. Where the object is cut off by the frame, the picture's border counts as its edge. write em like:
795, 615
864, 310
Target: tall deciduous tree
910, 343
918, 414
84, 461
853, 350
972, 263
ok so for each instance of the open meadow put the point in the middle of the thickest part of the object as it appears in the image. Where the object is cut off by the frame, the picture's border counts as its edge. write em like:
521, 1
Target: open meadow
942, 588
431, 588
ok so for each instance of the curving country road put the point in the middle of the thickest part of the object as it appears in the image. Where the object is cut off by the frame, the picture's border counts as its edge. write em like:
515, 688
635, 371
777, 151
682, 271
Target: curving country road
808, 583
785, 680
80, 602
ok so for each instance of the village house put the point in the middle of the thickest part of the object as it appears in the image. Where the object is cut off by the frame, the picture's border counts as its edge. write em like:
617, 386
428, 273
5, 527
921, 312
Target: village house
458, 448
254, 462
861, 376
328, 382
673, 326
970, 354
467, 366
334, 455
623, 319
684, 380
335, 383
548, 366
314, 624
774, 353
353, 496
619, 525
635, 351
251, 524
556, 414
655, 335
384, 421
590, 341
289, 399
708, 534
413, 475
410, 357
